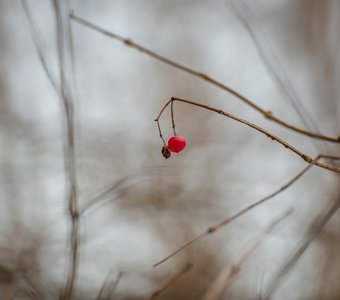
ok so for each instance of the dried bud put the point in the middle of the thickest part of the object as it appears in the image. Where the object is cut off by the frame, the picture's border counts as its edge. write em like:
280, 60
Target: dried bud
166, 151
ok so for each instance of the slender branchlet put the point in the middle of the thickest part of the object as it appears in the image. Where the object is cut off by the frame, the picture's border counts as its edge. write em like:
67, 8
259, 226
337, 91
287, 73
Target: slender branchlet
315, 231
186, 268
226, 277
40, 47
304, 156
272, 64
173, 118
265, 113
109, 286
216, 227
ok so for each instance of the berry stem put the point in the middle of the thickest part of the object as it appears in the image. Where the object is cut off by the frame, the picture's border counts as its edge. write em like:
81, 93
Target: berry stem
172, 117
160, 132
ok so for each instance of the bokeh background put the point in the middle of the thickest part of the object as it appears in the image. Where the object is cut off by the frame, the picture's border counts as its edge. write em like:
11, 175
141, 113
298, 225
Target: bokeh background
281, 54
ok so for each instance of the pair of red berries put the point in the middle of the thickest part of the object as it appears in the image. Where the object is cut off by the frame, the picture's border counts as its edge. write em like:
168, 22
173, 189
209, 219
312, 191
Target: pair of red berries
176, 144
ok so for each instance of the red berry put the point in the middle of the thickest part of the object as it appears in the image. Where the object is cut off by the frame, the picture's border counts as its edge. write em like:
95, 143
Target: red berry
177, 143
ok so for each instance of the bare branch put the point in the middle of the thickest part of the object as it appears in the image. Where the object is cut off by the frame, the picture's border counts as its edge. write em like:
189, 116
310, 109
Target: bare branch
304, 156
266, 113
218, 226
63, 89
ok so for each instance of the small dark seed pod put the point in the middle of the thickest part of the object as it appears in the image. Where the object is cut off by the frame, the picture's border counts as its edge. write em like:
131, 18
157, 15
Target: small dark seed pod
166, 151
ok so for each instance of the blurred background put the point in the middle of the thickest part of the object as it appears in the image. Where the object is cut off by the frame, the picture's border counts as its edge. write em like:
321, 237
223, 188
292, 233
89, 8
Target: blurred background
281, 54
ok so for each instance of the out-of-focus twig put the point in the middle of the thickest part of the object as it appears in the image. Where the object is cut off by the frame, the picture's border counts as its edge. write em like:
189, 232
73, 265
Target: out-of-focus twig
102, 195
314, 232
109, 286
64, 51
218, 226
117, 189
266, 113
187, 267
40, 47
64, 91
225, 278
272, 64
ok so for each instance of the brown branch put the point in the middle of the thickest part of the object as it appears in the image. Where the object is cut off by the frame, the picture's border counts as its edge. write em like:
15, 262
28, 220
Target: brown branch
191, 243
160, 133
64, 92
225, 278
266, 113
64, 48
186, 268
305, 157
218, 226
316, 230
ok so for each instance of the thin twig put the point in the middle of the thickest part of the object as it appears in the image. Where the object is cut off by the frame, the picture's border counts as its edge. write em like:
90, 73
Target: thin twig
186, 268
218, 226
172, 118
160, 133
315, 231
266, 113
225, 278
191, 243
63, 40
271, 62
102, 195
117, 189
34, 289
64, 92
40, 47
109, 286
305, 157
